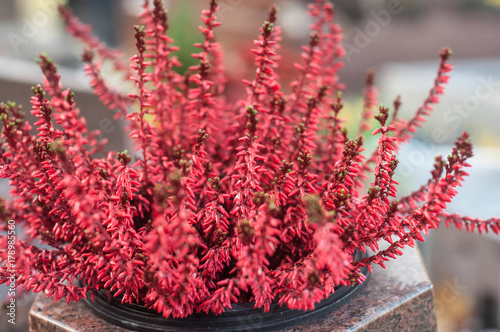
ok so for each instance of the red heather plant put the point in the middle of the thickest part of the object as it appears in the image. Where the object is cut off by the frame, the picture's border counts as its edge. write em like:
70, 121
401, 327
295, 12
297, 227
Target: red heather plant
258, 200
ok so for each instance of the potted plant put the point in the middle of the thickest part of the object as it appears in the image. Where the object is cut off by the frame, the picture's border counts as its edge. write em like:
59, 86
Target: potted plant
263, 202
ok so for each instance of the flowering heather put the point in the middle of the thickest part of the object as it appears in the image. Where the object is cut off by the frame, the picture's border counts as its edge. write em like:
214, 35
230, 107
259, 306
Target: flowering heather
259, 200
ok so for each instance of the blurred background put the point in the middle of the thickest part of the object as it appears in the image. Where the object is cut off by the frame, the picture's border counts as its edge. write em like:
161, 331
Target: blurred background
398, 39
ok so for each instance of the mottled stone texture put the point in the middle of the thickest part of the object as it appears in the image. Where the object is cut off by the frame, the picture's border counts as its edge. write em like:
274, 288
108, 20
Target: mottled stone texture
396, 299
49, 316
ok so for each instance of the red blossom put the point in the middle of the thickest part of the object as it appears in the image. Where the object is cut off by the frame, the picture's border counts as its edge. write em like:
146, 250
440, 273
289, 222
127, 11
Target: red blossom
258, 200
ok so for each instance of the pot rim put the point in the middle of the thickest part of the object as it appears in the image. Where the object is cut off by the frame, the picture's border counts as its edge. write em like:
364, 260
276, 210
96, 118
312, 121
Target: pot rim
242, 316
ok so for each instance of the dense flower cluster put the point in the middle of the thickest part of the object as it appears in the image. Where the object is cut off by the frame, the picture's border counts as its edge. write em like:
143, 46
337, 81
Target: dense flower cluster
259, 200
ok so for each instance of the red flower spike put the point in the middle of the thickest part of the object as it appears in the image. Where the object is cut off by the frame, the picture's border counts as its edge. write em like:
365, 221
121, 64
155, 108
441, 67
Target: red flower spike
370, 102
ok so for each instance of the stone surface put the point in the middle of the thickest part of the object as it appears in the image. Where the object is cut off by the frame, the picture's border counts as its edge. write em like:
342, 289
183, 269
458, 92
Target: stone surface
399, 298
396, 299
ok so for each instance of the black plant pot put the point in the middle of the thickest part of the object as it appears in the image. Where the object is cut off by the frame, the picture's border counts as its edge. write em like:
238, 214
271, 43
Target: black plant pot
243, 316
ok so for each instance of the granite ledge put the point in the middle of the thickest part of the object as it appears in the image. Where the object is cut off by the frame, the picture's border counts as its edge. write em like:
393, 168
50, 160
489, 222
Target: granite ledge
398, 298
